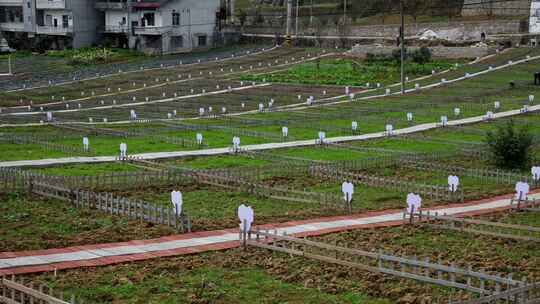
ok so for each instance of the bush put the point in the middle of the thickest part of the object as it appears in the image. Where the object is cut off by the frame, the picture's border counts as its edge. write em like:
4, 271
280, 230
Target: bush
422, 55
396, 55
510, 146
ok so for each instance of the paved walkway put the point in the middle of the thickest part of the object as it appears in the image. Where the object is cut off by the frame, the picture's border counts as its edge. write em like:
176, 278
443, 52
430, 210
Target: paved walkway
113, 253
291, 144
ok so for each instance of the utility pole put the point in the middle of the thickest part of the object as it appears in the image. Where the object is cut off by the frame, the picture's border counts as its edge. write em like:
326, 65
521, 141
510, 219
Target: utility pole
402, 41
289, 21
297, 14
344, 11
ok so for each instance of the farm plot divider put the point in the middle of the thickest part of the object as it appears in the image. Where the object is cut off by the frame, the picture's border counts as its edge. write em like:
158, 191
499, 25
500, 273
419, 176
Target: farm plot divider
45, 144
484, 175
114, 205
379, 262
16, 291
434, 192
476, 226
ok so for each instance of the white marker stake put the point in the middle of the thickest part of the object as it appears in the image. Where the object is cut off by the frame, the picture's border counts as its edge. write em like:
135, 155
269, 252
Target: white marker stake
322, 136
457, 111
246, 217
453, 183
535, 173
409, 117
522, 189
123, 151
285, 131
354, 126
199, 138
86, 144
389, 129
444, 121
177, 201
347, 189
497, 105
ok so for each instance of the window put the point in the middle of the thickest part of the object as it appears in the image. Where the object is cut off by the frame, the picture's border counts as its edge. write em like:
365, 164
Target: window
175, 18
202, 40
177, 41
149, 19
65, 21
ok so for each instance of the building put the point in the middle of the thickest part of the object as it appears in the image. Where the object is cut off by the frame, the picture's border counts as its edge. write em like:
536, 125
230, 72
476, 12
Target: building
61, 23
534, 20
160, 27
496, 8
152, 26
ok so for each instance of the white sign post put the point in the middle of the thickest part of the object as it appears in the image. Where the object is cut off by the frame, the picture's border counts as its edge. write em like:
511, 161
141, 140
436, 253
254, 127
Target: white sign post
285, 132
246, 217
236, 143
348, 190
453, 183
86, 144
354, 126
522, 189
389, 129
535, 171
199, 138
123, 151
414, 203
322, 136
177, 201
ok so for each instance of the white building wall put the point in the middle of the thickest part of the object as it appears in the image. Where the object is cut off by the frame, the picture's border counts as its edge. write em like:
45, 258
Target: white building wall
115, 17
534, 20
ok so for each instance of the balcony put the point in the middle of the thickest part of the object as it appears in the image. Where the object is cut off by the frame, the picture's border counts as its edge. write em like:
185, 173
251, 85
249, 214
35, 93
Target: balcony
11, 2
152, 30
115, 29
110, 5
52, 30
12, 26
51, 4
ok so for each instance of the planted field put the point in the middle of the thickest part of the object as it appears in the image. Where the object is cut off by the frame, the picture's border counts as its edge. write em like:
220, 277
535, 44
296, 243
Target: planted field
179, 123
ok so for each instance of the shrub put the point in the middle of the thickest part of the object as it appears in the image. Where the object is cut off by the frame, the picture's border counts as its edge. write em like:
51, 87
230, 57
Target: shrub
422, 55
396, 54
510, 146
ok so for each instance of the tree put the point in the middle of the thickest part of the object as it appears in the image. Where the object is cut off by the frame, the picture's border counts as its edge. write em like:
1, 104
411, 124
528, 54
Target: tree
510, 146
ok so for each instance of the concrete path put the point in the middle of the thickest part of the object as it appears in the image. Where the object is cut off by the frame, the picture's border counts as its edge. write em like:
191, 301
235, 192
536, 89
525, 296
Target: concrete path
267, 146
112, 253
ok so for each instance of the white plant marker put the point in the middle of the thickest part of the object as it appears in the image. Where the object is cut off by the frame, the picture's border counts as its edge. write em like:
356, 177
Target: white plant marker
299, 97
497, 105
414, 203
285, 131
389, 129
123, 150
322, 137
417, 86
489, 115
535, 171
90, 119
522, 189
175, 112
354, 125
347, 90
351, 96
86, 144
236, 143
223, 110
199, 138
347, 188
444, 121
246, 216
169, 115
49, 116
132, 115
243, 105
261, 107
388, 91
210, 109
409, 117
457, 111
201, 111
531, 98
177, 201
453, 183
